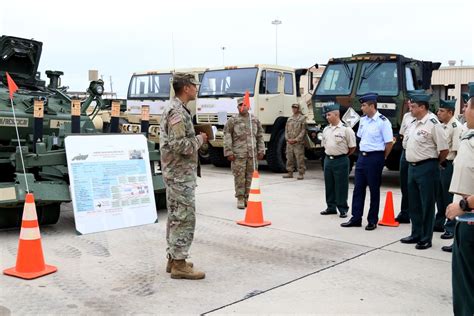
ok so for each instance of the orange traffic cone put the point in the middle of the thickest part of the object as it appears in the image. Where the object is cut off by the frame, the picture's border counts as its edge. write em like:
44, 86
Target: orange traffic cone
388, 213
30, 261
254, 213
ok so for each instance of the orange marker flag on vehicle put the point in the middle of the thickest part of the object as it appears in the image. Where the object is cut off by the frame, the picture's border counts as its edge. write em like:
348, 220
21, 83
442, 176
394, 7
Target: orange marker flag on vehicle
12, 87
247, 100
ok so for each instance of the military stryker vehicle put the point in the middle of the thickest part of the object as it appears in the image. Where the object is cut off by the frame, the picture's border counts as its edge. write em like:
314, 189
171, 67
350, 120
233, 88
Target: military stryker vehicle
389, 75
45, 161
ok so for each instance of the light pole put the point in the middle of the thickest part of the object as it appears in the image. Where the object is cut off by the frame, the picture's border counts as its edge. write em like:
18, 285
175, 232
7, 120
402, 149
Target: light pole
223, 49
276, 22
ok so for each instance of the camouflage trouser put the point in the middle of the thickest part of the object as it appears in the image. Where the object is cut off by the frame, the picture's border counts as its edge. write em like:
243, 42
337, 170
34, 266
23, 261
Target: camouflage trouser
181, 218
242, 168
295, 151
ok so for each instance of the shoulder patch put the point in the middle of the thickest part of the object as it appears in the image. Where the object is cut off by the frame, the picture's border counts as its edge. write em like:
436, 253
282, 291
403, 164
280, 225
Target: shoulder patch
434, 120
383, 117
345, 125
413, 121
174, 119
468, 136
454, 125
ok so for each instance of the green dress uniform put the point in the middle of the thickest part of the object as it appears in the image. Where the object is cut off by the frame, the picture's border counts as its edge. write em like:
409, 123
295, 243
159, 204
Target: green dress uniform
463, 248
425, 139
336, 142
453, 131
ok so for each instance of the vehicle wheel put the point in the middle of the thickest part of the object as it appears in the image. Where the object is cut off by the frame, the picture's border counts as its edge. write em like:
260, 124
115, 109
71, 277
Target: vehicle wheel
276, 155
203, 153
48, 214
160, 201
216, 155
10, 217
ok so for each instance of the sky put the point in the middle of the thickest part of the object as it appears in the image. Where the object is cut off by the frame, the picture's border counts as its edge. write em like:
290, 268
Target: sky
119, 38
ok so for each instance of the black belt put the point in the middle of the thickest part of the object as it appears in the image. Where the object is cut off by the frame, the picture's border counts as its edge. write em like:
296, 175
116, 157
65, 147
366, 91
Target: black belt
335, 156
422, 162
366, 153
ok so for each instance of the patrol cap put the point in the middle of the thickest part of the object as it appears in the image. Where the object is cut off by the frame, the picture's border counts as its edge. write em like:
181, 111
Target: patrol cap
465, 97
471, 89
368, 97
184, 79
447, 104
420, 97
296, 105
240, 101
331, 107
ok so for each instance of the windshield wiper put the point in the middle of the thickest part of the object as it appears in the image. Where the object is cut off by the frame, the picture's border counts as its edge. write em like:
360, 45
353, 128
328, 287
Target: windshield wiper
370, 70
349, 73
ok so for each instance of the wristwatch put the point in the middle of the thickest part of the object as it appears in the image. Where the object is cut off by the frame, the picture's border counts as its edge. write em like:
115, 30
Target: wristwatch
464, 205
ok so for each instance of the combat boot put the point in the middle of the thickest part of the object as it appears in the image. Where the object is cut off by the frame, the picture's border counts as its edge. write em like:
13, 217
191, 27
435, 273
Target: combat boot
241, 203
181, 270
170, 263
288, 175
300, 176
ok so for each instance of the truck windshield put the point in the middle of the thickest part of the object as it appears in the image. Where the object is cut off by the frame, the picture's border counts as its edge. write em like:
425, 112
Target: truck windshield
228, 82
152, 86
381, 78
337, 79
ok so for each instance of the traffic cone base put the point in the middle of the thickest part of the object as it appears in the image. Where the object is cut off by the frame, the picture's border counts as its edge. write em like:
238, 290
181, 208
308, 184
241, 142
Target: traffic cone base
30, 275
388, 213
30, 261
254, 213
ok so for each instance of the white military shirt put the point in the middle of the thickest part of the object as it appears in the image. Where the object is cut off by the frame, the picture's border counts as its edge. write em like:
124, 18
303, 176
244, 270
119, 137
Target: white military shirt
462, 181
453, 131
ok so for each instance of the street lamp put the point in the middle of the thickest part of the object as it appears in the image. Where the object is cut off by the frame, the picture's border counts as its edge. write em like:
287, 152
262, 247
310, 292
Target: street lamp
276, 22
223, 49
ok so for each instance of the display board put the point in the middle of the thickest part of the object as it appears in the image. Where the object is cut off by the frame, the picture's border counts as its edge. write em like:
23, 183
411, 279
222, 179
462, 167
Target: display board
110, 181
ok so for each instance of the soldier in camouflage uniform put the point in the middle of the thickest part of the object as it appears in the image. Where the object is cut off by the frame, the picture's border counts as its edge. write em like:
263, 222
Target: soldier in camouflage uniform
240, 147
179, 160
295, 131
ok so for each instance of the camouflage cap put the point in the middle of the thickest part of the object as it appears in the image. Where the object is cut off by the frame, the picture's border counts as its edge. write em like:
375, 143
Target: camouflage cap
184, 79
447, 104
240, 101
296, 105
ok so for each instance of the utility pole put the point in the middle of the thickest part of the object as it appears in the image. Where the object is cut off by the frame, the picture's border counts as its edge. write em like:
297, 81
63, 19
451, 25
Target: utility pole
276, 22
223, 50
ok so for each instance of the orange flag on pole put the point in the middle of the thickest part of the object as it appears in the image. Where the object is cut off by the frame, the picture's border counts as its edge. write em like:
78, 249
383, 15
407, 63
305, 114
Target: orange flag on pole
12, 87
247, 100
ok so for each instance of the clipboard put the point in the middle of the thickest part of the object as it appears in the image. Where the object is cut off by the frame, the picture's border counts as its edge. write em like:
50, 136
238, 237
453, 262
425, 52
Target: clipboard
205, 128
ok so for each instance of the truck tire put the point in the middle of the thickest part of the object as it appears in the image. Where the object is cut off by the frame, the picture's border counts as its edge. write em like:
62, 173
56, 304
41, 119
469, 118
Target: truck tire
160, 201
276, 155
216, 155
47, 215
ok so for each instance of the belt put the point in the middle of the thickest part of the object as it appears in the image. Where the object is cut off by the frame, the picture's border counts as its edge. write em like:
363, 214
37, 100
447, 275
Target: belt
336, 156
422, 162
367, 153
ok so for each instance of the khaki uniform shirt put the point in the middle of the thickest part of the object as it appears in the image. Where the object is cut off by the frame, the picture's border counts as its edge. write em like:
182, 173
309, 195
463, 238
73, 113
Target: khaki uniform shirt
338, 139
179, 144
296, 128
425, 138
453, 131
238, 140
463, 173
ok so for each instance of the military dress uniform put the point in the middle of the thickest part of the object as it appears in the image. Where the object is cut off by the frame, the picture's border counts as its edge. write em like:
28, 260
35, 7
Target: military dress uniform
179, 159
374, 132
336, 142
424, 140
238, 142
453, 130
463, 248
295, 129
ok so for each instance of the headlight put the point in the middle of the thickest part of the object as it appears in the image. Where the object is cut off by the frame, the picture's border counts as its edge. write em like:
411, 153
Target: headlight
96, 87
99, 90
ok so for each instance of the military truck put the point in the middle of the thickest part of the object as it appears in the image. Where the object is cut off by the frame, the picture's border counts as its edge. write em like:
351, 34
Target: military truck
45, 158
272, 89
389, 75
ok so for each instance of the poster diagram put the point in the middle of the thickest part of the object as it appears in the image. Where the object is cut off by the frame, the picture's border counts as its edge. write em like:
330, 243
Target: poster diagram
111, 184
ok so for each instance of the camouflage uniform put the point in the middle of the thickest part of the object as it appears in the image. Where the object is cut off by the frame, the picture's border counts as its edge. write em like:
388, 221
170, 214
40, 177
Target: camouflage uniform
295, 129
238, 142
179, 147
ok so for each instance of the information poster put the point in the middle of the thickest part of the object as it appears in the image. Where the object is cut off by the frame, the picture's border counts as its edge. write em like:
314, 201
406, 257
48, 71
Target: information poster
111, 183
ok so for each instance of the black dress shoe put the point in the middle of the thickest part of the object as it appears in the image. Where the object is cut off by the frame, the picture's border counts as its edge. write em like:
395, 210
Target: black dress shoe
343, 215
423, 245
370, 226
402, 220
447, 248
328, 212
410, 240
351, 223
439, 229
447, 235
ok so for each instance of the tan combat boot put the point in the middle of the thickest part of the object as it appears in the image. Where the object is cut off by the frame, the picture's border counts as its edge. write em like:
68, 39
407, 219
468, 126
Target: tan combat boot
170, 263
288, 175
240, 203
180, 270
300, 176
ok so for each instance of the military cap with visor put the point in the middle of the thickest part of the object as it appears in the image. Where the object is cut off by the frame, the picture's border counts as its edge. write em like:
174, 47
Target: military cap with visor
447, 104
368, 97
471, 89
184, 79
329, 107
420, 97
465, 97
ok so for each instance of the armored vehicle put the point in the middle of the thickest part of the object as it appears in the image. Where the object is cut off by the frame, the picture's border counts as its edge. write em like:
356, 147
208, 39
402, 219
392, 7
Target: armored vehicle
44, 158
391, 76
